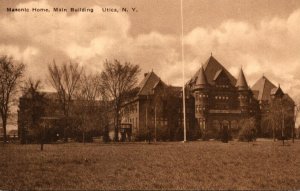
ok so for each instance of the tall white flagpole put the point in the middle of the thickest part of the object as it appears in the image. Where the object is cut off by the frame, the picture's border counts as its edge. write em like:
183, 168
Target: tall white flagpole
183, 74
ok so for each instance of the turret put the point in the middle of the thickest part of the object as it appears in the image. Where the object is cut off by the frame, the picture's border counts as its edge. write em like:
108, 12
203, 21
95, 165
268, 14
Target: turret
243, 92
200, 92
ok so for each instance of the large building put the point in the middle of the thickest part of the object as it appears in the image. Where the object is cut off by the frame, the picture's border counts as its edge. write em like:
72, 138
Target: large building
217, 104
42, 115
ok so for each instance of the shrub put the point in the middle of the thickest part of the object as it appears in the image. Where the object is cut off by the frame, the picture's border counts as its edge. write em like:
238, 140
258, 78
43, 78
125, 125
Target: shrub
248, 131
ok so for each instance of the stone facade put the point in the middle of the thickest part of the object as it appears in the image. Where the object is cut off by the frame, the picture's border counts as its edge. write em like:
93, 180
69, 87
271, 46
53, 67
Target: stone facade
216, 103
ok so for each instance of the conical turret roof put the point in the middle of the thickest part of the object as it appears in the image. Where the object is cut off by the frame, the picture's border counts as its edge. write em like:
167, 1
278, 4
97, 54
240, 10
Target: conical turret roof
201, 78
241, 83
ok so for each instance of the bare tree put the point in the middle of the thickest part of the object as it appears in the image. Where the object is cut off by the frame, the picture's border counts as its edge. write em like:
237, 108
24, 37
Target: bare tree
37, 99
65, 80
10, 75
36, 107
164, 105
280, 115
115, 80
86, 102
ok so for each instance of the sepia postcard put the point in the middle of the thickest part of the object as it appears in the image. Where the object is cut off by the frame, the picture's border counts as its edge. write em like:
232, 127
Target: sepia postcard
149, 94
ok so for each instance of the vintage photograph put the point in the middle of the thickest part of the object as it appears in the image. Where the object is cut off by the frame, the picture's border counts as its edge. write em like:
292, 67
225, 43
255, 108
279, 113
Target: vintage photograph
149, 95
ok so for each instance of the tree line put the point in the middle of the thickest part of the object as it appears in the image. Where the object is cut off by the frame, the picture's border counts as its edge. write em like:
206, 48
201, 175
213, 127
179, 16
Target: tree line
110, 88
79, 92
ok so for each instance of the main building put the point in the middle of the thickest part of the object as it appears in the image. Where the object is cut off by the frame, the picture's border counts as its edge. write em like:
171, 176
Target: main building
217, 104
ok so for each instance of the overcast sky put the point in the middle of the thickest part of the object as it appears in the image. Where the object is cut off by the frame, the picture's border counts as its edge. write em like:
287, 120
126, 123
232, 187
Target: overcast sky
262, 36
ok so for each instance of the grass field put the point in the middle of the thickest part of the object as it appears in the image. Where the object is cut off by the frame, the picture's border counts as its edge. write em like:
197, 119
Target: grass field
193, 165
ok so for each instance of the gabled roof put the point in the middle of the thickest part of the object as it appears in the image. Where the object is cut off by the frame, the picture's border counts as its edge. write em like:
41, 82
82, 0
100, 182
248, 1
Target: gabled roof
211, 67
150, 81
241, 83
264, 88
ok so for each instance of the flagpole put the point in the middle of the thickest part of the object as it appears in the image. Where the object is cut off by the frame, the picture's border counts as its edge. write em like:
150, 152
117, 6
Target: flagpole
183, 74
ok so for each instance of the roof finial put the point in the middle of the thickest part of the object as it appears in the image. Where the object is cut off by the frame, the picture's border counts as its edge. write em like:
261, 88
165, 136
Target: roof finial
263, 75
279, 85
210, 54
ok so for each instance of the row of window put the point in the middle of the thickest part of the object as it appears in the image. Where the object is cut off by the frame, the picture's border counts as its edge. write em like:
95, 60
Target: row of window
199, 108
222, 86
222, 97
219, 97
201, 95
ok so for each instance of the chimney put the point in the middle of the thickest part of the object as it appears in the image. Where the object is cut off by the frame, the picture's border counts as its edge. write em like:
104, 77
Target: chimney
145, 74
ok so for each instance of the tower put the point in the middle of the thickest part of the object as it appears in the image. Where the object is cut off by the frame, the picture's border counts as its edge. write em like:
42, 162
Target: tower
243, 92
201, 94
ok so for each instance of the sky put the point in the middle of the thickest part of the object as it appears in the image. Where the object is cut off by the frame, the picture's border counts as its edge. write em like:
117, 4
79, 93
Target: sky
261, 36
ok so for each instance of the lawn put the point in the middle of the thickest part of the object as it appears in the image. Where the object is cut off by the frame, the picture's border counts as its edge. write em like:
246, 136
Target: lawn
174, 165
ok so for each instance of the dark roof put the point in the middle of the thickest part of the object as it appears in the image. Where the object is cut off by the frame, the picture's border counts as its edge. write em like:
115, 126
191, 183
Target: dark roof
201, 78
255, 93
150, 81
264, 87
176, 89
50, 95
47, 95
211, 68
276, 91
287, 97
241, 82
218, 74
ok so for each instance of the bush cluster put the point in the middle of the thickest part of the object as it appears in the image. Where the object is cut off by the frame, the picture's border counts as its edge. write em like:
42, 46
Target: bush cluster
248, 131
